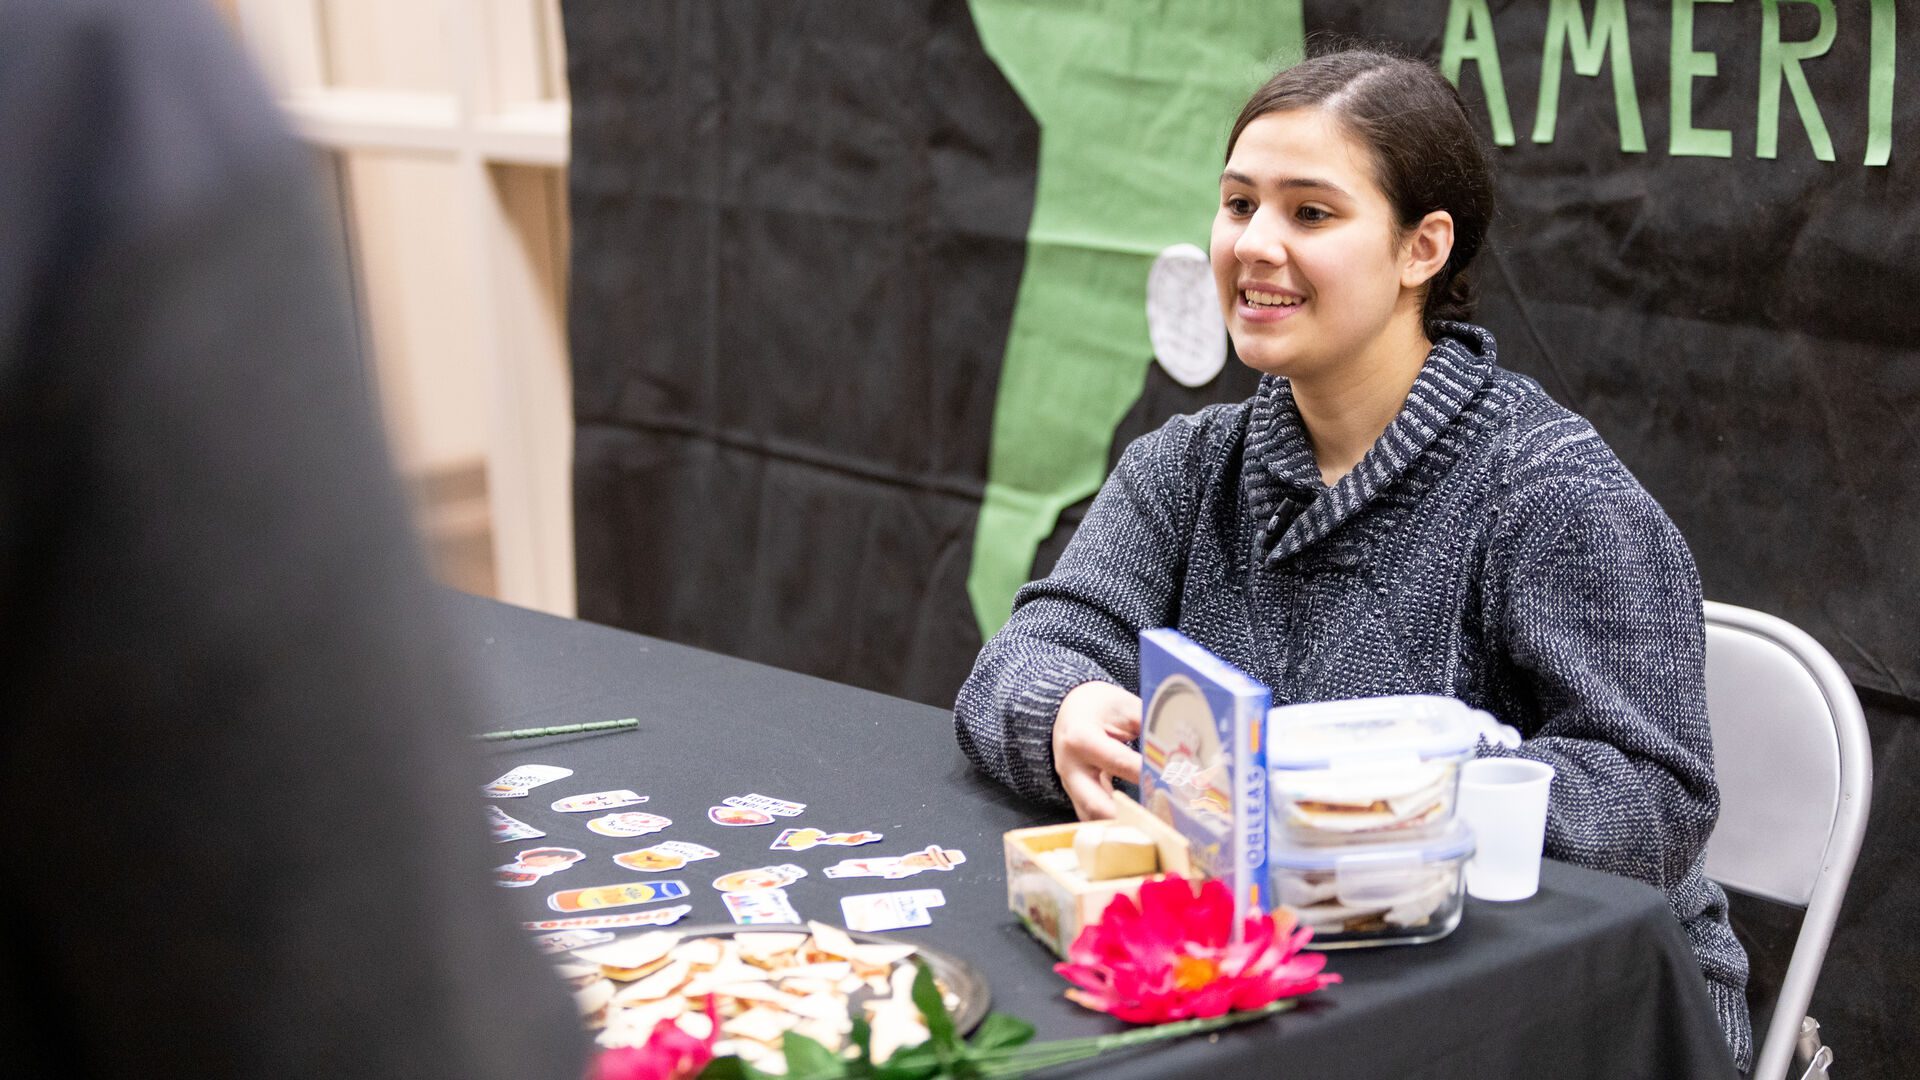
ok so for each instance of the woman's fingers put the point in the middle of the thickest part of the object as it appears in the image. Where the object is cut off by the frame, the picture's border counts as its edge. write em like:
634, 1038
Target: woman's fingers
1091, 731
1091, 793
1087, 761
1113, 757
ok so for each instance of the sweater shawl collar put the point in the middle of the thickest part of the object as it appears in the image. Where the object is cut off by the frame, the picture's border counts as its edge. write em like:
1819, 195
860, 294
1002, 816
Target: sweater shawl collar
1291, 507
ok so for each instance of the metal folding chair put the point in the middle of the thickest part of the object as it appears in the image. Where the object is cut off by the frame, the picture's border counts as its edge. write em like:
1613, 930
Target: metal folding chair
1796, 776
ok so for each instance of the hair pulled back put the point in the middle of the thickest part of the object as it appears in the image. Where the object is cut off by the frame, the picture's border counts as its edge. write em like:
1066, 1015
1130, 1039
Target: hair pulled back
1426, 154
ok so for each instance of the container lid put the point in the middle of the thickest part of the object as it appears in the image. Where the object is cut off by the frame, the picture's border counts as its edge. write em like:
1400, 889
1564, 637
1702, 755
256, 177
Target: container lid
1322, 734
1453, 842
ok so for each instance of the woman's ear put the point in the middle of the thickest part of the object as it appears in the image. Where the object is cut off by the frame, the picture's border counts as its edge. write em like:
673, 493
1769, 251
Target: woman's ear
1426, 249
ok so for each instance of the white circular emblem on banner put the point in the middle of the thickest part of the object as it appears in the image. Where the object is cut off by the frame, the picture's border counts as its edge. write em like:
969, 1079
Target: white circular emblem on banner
1183, 316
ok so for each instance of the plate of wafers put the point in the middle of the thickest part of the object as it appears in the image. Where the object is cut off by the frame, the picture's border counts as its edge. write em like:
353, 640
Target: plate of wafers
765, 981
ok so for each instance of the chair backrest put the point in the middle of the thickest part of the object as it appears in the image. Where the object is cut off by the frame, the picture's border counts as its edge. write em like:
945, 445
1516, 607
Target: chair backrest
1796, 776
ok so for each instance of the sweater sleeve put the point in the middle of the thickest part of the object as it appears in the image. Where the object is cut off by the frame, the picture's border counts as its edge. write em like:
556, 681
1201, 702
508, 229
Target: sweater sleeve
1119, 575
1603, 625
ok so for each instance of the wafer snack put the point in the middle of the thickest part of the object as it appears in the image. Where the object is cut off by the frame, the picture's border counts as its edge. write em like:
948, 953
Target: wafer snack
762, 984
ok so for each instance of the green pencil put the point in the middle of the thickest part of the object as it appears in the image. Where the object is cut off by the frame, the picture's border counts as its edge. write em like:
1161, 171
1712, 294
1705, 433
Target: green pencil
563, 729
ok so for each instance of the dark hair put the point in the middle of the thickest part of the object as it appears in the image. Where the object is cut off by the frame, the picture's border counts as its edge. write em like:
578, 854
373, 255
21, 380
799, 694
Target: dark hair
1426, 154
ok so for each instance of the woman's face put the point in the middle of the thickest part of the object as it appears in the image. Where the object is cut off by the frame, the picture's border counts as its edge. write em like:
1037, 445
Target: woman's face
1304, 250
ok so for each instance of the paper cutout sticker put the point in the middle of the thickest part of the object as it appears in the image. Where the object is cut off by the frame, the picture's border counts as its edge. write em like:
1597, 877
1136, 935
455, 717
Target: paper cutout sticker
656, 917
671, 855
533, 864
767, 906
776, 807
514, 785
606, 896
802, 839
738, 816
759, 879
567, 940
1184, 323
631, 823
598, 800
875, 912
899, 866
506, 828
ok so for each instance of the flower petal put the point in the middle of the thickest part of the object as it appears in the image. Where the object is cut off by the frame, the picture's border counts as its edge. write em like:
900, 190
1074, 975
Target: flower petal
1088, 977
1163, 915
1210, 916
1169, 955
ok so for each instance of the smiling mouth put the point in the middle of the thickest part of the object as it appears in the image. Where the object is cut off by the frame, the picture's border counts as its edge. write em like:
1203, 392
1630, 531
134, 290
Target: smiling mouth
1259, 299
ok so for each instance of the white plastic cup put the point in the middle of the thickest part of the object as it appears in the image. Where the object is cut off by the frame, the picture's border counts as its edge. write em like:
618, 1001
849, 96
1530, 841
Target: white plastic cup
1504, 800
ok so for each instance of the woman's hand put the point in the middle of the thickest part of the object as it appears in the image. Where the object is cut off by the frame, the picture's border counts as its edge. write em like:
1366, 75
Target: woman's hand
1091, 733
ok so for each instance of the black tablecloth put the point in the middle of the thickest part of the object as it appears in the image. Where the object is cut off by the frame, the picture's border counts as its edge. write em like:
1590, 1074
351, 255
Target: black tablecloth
1590, 978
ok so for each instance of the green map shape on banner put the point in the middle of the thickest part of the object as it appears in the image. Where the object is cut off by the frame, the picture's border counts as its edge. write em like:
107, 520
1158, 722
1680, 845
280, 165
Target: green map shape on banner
1134, 99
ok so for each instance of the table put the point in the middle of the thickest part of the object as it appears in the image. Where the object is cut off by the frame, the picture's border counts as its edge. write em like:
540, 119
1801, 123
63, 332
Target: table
1590, 978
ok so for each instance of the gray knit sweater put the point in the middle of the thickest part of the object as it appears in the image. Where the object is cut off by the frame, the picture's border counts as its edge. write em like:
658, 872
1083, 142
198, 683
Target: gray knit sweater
1489, 546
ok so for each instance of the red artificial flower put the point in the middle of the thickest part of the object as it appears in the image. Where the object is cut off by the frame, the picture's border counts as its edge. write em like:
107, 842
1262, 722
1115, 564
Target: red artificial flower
669, 1054
1170, 956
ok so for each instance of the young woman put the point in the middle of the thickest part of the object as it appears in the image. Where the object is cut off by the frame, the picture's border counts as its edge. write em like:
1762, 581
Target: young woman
1391, 513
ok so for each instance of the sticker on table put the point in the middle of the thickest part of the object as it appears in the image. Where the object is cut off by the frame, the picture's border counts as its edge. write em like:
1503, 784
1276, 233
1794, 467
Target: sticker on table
738, 816
535, 863
766, 906
776, 807
759, 879
876, 912
599, 800
515, 784
507, 829
899, 866
671, 855
606, 896
631, 823
802, 839
656, 917
568, 940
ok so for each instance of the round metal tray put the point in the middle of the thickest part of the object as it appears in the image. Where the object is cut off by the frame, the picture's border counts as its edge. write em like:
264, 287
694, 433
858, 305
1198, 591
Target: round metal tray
960, 977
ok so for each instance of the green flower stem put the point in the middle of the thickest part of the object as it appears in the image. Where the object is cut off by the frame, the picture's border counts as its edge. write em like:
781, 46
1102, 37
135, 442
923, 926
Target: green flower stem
563, 729
1018, 1060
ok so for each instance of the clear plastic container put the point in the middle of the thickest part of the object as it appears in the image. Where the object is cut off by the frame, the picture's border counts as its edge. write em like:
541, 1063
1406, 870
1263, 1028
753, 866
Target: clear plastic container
1371, 770
1376, 893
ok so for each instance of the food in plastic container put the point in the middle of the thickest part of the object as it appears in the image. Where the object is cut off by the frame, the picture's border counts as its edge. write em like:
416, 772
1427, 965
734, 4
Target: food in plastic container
1392, 893
1372, 768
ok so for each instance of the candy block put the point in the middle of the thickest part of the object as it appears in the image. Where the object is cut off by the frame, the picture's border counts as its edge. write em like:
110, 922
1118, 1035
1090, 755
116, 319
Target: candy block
1054, 899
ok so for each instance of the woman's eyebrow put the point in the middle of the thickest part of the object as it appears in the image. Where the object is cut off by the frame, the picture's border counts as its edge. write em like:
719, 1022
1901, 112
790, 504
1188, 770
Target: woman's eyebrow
1309, 182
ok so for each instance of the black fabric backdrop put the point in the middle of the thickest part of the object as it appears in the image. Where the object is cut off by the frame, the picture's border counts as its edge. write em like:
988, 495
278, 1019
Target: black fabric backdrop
1742, 331
799, 231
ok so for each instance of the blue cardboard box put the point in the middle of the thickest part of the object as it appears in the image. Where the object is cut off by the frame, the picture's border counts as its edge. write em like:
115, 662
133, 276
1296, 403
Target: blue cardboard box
1202, 738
